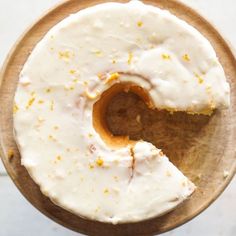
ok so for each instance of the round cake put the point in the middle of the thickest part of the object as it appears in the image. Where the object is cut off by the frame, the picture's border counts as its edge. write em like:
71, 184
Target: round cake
63, 91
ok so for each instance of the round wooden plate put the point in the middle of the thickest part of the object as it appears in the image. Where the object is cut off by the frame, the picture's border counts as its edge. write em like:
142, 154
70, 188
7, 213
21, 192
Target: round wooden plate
202, 147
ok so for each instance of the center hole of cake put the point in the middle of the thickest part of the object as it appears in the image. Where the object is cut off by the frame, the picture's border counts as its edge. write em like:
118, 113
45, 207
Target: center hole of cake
117, 114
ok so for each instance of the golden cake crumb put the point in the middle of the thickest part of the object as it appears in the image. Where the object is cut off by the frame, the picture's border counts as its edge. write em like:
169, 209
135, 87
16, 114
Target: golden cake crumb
186, 57
106, 191
99, 162
40, 101
75, 80
91, 166
72, 72
165, 56
58, 158
139, 23
52, 105
30, 102
65, 55
101, 76
112, 77
48, 90
130, 57
50, 137
15, 108
98, 53
200, 79
90, 95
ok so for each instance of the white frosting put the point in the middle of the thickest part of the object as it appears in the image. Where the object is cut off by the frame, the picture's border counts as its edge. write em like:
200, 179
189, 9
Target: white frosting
64, 77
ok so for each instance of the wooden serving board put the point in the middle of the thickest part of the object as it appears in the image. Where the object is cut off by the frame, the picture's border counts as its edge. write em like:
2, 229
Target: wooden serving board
202, 147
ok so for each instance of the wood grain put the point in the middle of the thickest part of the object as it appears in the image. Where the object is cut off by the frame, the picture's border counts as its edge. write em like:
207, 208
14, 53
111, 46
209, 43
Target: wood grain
202, 147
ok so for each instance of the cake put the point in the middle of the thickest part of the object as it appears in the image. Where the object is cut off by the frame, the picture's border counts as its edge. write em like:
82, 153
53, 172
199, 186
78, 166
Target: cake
63, 91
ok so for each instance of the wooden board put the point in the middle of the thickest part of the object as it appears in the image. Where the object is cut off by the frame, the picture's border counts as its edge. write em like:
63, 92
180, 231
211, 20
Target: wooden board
207, 156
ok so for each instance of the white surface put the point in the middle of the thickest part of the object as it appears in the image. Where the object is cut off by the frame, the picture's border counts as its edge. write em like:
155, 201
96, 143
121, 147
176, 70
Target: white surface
219, 219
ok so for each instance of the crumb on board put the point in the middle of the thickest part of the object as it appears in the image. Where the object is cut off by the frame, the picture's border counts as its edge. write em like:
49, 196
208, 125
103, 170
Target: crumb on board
10, 153
138, 119
161, 153
199, 176
226, 173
